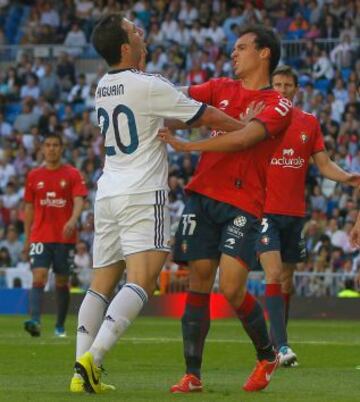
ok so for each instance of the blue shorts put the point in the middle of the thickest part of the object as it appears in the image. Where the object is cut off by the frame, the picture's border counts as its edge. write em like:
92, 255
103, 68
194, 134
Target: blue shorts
282, 233
208, 228
58, 256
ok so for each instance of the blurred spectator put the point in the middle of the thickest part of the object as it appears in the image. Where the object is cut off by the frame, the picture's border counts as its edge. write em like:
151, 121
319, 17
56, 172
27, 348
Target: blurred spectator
75, 40
31, 88
5, 259
80, 91
12, 244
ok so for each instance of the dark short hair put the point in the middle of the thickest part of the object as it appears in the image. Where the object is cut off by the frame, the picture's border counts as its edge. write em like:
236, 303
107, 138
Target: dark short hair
287, 71
265, 38
53, 135
108, 36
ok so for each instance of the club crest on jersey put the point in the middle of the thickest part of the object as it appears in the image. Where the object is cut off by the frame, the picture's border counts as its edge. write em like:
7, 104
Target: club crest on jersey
265, 240
40, 185
223, 104
240, 221
304, 138
63, 183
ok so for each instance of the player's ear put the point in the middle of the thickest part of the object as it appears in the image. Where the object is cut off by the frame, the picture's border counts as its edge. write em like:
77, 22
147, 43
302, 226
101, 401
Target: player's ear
125, 49
265, 53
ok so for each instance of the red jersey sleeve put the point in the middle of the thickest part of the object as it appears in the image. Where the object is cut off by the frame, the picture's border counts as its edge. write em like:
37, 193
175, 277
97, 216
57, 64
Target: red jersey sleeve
79, 187
318, 145
202, 92
276, 117
29, 195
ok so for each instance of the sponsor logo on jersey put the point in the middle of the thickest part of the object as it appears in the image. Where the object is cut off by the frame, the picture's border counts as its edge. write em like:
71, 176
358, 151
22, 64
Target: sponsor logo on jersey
223, 104
49, 201
240, 221
288, 160
229, 243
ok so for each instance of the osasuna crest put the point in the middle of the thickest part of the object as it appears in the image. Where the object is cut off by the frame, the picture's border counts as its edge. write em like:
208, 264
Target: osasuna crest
240, 221
63, 183
40, 185
265, 240
304, 138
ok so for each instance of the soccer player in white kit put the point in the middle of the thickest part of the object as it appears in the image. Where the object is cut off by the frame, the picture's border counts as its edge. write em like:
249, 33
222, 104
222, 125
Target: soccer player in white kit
131, 208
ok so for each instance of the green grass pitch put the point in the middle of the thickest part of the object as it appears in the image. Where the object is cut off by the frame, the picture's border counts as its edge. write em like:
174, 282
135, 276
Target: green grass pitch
149, 359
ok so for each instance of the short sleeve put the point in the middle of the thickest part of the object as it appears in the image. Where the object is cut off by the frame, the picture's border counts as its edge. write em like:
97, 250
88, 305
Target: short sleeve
29, 195
167, 102
276, 117
202, 92
79, 188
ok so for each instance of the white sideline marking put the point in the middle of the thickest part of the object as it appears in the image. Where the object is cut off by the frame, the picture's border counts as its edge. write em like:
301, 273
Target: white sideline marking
241, 341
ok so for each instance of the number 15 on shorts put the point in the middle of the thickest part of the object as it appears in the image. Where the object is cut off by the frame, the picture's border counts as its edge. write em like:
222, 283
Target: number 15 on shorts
188, 224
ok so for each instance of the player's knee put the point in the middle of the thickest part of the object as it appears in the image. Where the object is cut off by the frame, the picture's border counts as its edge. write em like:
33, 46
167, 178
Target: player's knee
273, 274
233, 294
39, 278
61, 281
287, 285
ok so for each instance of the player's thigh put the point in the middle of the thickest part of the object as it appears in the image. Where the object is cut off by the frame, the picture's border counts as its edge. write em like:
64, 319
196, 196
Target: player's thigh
269, 234
105, 279
293, 248
143, 268
145, 224
197, 236
63, 259
107, 247
202, 275
239, 236
41, 258
233, 279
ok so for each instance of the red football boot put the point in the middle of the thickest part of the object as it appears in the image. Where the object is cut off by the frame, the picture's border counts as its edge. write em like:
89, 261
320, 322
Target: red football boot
261, 375
189, 383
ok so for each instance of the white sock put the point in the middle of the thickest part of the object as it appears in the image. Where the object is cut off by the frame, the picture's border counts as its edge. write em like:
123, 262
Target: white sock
123, 309
90, 318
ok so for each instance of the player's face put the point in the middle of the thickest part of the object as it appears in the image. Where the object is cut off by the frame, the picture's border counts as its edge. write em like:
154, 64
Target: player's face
285, 85
245, 56
136, 41
52, 150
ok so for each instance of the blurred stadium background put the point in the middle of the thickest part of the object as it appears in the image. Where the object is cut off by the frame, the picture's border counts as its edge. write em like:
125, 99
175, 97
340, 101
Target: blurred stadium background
48, 75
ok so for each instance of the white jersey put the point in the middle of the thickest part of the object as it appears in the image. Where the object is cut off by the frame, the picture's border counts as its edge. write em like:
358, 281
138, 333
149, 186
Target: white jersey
131, 107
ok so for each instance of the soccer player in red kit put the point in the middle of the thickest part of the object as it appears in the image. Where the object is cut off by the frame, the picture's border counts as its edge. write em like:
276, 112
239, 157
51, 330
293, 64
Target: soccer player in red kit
280, 241
219, 226
53, 203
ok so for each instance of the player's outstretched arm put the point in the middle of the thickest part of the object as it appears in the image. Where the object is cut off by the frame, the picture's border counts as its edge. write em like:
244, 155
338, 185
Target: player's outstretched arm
212, 117
355, 233
332, 171
234, 141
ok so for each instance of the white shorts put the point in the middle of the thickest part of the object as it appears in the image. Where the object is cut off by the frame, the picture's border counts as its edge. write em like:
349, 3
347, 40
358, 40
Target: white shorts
128, 224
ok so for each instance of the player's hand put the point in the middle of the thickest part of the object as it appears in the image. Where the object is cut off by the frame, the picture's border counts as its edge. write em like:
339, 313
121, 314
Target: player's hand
69, 228
26, 248
353, 180
166, 136
252, 110
355, 236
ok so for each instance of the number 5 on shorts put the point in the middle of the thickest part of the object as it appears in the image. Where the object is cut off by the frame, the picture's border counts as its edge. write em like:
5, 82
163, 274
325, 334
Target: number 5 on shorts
189, 224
